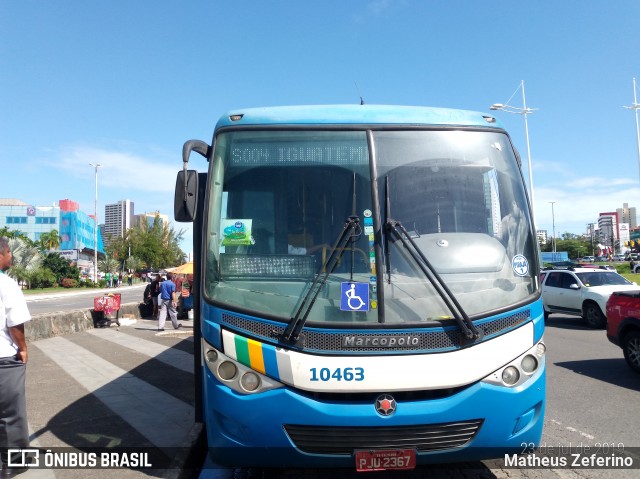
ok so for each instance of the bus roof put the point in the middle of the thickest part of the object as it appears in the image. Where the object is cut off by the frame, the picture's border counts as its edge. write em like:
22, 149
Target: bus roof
356, 115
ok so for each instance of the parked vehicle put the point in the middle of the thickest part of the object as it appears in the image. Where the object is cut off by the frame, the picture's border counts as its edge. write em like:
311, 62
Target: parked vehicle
623, 325
618, 257
587, 259
582, 292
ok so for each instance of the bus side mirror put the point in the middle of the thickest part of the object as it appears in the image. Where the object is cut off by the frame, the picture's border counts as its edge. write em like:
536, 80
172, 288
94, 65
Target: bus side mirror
186, 196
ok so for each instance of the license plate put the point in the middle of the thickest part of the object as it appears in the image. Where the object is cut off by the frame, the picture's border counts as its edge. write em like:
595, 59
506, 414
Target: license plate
384, 459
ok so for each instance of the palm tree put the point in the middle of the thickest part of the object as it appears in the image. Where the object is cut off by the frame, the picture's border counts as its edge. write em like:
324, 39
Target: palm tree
26, 259
108, 265
8, 233
134, 264
25, 254
50, 241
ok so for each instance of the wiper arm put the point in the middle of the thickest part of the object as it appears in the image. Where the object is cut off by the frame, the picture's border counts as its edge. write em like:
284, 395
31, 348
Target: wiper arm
464, 322
292, 332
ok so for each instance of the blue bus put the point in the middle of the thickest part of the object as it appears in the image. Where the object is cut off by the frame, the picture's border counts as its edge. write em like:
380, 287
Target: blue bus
366, 288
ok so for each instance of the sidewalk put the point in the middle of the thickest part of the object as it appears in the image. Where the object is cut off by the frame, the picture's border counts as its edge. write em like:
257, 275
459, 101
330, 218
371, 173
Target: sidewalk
128, 389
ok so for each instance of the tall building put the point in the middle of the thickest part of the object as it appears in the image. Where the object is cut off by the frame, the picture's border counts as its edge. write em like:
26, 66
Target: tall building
542, 236
608, 231
628, 214
118, 218
150, 218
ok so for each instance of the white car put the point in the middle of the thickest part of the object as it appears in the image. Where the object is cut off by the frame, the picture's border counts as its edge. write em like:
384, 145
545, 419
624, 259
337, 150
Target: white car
581, 292
588, 259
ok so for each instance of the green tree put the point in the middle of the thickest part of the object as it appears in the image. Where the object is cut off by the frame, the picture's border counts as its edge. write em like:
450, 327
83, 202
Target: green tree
50, 241
134, 264
42, 278
118, 248
61, 267
575, 245
108, 265
25, 254
15, 234
27, 259
156, 245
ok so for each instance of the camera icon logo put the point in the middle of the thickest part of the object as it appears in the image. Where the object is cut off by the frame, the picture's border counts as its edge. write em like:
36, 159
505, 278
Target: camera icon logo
23, 457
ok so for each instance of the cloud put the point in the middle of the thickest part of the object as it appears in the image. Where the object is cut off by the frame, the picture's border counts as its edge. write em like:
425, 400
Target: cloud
580, 202
377, 7
120, 169
601, 183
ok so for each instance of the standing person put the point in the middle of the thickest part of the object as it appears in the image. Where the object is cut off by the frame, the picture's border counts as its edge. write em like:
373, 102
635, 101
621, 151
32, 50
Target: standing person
155, 292
168, 303
14, 430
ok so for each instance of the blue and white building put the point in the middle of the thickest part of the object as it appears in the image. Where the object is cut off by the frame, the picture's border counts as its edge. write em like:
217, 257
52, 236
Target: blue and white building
75, 227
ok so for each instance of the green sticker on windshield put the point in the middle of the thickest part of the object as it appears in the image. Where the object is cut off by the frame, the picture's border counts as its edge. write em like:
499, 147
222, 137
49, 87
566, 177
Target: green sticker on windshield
236, 232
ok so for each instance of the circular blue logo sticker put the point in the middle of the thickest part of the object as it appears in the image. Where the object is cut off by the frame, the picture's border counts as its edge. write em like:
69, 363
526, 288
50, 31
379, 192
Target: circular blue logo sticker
520, 265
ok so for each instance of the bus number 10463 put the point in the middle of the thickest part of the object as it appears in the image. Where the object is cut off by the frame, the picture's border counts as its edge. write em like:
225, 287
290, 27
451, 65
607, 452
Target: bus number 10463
338, 374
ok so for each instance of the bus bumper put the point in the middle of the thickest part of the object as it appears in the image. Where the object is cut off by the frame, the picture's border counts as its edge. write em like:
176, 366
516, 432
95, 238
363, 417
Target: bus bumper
250, 430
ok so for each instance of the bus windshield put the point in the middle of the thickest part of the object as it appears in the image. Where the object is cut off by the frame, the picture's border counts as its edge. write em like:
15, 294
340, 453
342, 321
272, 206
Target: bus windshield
281, 199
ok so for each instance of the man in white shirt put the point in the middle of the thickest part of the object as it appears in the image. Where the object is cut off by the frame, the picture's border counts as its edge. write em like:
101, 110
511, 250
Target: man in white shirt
14, 430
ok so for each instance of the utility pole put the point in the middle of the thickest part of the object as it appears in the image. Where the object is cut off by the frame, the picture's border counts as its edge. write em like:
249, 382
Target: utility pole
553, 222
95, 226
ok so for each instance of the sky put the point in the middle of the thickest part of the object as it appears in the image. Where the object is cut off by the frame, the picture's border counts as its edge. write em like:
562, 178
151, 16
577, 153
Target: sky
126, 83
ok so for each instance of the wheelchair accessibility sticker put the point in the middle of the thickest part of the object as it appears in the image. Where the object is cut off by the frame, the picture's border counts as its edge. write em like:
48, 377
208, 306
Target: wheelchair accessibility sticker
354, 296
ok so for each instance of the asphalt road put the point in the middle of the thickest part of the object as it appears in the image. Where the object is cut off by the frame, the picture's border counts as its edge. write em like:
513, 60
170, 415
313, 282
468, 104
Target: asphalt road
80, 299
592, 394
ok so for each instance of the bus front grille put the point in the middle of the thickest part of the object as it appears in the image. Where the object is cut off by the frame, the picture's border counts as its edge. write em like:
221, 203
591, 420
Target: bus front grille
344, 440
436, 338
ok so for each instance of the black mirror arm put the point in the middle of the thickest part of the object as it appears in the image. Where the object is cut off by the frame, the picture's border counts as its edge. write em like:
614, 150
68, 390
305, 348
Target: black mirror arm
199, 147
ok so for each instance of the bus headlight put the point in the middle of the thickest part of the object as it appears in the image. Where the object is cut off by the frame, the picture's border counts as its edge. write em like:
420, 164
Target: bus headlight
227, 370
529, 364
510, 375
250, 381
521, 369
233, 374
211, 355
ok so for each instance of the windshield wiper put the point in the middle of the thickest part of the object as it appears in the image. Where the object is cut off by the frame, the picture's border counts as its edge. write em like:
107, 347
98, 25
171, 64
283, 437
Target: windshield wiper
350, 231
462, 319
464, 322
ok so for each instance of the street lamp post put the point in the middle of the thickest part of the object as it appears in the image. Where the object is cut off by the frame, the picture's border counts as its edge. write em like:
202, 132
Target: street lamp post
635, 107
95, 225
553, 223
524, 111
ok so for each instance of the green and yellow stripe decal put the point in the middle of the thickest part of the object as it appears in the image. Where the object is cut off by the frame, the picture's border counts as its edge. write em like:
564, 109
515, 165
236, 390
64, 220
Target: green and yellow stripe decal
263, 358
249, 353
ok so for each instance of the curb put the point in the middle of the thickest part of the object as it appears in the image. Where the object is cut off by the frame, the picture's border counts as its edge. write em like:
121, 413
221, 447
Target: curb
47, 325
